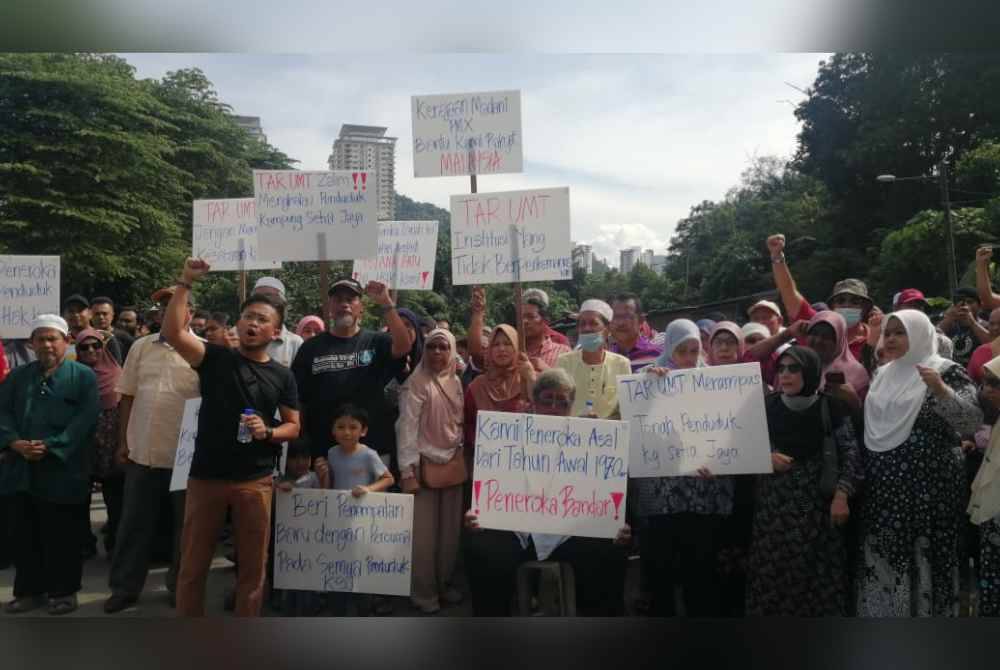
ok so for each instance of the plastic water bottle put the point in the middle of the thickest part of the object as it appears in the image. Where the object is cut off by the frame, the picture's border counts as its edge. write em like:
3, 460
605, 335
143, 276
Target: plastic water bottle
243, 435
590, 408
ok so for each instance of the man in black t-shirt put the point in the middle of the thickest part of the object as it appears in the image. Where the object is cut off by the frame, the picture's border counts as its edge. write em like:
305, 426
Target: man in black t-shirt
227, 473
348, 364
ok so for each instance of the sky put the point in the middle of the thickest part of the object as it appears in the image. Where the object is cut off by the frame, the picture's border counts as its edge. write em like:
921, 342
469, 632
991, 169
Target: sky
638, 139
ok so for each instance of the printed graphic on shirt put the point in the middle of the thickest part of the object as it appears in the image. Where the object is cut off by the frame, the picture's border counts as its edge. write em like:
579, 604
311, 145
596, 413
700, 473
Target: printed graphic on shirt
340, 362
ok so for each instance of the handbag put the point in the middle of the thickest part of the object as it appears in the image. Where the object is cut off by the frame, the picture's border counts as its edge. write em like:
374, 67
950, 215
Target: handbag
831, 465
443, 475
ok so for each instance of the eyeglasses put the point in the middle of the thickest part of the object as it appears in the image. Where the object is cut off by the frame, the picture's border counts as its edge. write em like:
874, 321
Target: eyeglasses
790, 368
88, 347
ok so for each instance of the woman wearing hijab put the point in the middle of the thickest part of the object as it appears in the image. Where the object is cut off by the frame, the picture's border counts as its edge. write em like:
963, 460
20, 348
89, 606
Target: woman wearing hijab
827, 336
429, 438
681, 517
917, 406
309, 327
798, 556
984, 505
92, 351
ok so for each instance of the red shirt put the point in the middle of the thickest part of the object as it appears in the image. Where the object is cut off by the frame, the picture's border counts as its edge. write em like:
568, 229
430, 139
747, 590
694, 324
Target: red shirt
3, 364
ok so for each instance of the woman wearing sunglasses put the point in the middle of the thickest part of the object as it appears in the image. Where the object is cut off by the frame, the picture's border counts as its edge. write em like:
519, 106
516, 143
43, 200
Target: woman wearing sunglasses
92, 351
798, 557
984, 506
917, 406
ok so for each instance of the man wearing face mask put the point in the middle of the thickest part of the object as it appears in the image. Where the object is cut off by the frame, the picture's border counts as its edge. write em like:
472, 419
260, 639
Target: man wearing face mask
594, 369
849, 299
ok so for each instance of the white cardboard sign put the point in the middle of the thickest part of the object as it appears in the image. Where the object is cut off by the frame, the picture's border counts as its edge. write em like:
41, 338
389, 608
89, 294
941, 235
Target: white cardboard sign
511, 236
316, 216
407, 251
550, 474
185, 445
29, 286
224, 233
712, 417
467, 133
331, 541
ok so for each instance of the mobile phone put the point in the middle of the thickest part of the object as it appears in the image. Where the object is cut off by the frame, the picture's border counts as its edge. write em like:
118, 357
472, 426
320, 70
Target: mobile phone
835, 378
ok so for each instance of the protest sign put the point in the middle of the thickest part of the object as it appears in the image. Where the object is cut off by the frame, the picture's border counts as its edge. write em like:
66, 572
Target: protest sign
331, 541
406, 254
712, 417
511, 236
466, 134
29, 286
185, 445
550, 474
224, 233
315, 216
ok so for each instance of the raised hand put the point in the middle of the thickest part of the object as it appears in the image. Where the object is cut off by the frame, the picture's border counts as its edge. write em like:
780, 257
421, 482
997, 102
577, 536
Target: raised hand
379, 292
195, 269
776, 245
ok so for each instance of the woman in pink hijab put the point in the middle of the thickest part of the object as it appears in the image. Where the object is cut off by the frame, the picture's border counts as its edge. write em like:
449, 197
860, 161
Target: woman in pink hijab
309, 327
842, 375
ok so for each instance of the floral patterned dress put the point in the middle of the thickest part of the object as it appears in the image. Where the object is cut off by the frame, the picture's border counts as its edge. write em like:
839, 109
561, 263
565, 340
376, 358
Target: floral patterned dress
913, 509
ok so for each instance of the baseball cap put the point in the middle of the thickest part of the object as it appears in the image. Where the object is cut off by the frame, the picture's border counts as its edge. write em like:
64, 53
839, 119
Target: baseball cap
908, 295
50, 321
76, 299
966, 292
348, 283
850, 287
270, 282
764, 303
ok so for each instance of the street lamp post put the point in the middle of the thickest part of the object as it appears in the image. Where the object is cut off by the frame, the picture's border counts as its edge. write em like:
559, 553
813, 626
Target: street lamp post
942, 178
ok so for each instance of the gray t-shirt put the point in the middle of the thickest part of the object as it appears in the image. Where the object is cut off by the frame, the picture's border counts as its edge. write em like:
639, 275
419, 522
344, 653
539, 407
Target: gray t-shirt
361, 468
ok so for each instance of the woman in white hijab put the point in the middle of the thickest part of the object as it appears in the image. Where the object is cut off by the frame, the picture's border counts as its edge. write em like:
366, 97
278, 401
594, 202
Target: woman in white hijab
917, 406
984, 506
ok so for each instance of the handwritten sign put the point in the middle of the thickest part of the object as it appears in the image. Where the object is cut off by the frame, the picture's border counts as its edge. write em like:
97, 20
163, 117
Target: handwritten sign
224, 233
185, 445
29, 286
315, 216
712, 417
467, 133
510, 236
550, 474
406, 254
332, 541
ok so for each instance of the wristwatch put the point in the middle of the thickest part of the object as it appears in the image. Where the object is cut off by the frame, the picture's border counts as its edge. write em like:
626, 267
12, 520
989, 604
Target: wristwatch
269, 435
779, 259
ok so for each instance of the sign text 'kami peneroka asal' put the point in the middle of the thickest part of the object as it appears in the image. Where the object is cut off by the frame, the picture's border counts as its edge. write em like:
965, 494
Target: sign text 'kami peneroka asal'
550, 474
29, 286
700, 417
316, 216
467, 133
224, 233
185, 445
511, 236
331, 541
406, 254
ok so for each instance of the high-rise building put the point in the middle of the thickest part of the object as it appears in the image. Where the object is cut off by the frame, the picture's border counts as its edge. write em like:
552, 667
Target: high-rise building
367, 148
251, 124
583, 257
646, 258
628, 258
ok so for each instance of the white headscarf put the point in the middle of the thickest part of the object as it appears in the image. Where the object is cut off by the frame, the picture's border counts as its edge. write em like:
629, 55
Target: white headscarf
897, 393
677, 332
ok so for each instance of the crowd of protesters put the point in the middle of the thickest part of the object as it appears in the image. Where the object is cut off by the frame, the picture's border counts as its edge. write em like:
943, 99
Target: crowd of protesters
884, 498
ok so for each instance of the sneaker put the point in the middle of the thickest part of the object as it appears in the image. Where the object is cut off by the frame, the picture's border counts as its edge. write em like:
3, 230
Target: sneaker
117, 602
426, 608
21, 605
60, 606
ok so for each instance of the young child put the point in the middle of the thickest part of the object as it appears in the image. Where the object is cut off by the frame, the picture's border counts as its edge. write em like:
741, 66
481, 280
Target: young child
298, 475
357, 468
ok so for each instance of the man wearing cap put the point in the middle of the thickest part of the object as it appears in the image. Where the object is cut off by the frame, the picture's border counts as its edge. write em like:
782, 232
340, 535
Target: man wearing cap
595, 369
48, 414
155, 384
849, 298
626, 320
962, 324
767, 314
349, 364
102, 317
286, 345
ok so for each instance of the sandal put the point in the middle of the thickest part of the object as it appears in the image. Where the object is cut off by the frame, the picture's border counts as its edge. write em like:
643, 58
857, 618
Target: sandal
59, 606
26, 604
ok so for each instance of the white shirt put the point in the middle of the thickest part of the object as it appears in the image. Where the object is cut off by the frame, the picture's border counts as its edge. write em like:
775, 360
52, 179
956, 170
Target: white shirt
283, 349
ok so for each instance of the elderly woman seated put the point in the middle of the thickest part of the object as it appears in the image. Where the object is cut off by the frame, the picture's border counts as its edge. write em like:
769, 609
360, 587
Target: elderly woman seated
493, 556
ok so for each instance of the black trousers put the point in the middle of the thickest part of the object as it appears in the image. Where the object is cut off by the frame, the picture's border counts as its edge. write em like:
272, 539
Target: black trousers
47, 556
681, 549
113, 492
6, 531
491, 559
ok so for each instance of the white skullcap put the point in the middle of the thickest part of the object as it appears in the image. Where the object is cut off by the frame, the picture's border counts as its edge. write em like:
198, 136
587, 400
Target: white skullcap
537, 294
755, 329
270, 282
599, 306
50, 321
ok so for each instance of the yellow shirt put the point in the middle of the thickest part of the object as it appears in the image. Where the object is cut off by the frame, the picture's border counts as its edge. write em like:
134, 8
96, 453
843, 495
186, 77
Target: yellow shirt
598, 383
160, 382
